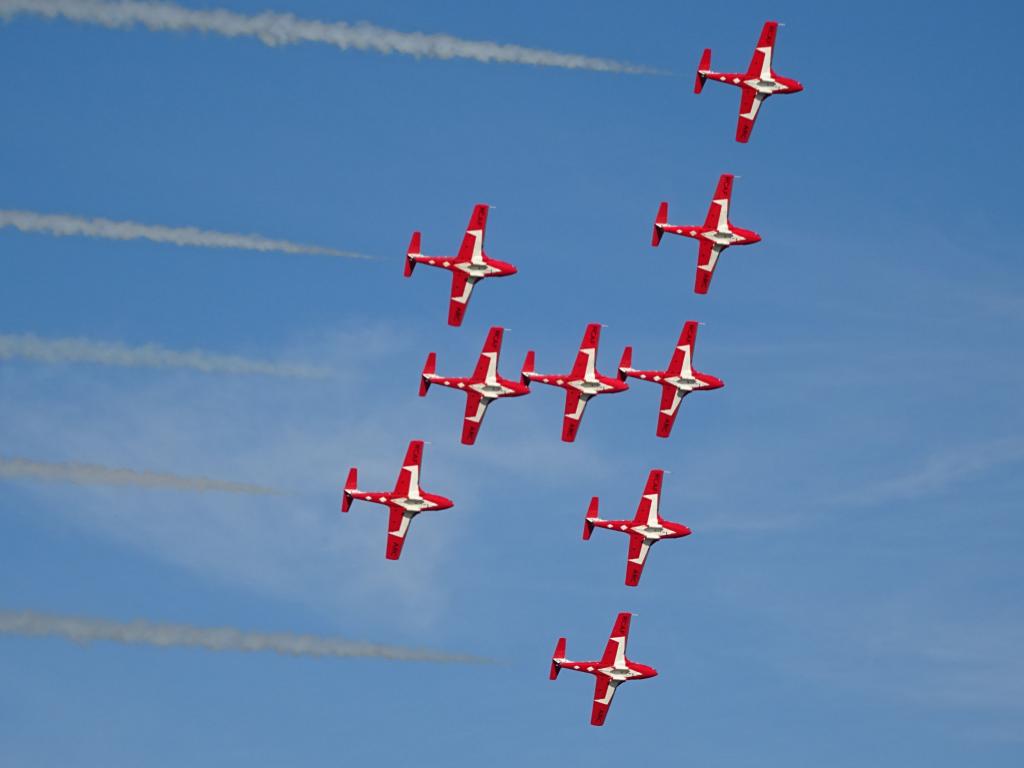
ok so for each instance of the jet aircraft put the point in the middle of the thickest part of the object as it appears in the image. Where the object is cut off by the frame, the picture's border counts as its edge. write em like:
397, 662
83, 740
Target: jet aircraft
580, 384
714, 236
677, 381
403, 503
468, 267
611, 671
482, 388
645, 530
756, 84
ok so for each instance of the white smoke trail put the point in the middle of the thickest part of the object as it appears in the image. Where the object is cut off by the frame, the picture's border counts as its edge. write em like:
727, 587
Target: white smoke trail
62, 225
93, 474
30, 347
29, 623
275, 29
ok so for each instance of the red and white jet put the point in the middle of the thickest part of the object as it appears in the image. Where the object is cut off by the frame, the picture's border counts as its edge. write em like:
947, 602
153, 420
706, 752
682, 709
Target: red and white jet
469, 267
482, 388
756, 84
677, 381
612, 670
715, 236
645, 530
403, 503
580, 384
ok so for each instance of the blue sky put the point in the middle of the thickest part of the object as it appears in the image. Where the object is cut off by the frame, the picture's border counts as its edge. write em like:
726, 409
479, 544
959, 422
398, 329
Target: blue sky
852, 590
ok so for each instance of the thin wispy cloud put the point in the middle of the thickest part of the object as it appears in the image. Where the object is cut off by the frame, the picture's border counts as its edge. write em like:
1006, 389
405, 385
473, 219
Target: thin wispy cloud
62, 225
94, 474
78, 350
275, 29
941, 471
86, 630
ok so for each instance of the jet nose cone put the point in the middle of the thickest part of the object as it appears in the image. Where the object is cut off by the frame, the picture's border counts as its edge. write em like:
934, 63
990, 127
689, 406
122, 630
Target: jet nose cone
686, 530
512, 270
797, 87
716, 383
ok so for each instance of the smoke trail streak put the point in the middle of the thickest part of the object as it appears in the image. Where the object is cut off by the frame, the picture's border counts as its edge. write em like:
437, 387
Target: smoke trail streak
93, 474
275, 29
61, 225
30, 347
31, 624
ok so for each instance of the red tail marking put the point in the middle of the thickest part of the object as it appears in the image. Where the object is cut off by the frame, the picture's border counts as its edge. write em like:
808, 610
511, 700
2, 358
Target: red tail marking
588, 523
625, 363
558, 654
351, 483
528, 367
429, 368
414, 250
705, 64
662, 219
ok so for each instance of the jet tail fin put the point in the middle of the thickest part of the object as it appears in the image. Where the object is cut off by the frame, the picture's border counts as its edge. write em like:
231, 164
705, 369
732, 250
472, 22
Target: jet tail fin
626, 363
704, 66
588, 523
428, 370
558, 654
659, 221
351, 483
414, 250
528, 368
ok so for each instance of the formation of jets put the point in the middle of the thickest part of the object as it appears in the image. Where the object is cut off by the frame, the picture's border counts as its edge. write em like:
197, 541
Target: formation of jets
583, 382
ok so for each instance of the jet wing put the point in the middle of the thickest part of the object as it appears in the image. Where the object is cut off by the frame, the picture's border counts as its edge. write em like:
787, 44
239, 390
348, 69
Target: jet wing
707, 258
487, 364
638, 549
408, 483
750, 103
472, 248
670, 400
761, 62
462, 287
682, 358
476, 406
718, 211
604, 690
647, 510
398, 527
575, 402
586, 358
615, 650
